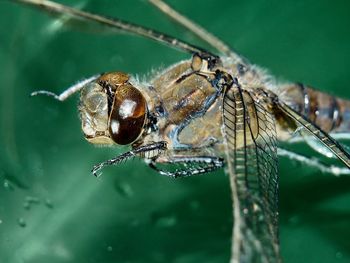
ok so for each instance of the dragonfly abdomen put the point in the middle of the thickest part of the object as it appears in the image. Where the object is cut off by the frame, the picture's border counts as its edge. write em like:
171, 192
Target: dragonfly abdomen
330, 113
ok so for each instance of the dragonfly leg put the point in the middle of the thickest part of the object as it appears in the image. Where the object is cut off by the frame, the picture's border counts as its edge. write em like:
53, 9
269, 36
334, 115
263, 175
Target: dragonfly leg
314, 163
147, 151
69, 91
190, 166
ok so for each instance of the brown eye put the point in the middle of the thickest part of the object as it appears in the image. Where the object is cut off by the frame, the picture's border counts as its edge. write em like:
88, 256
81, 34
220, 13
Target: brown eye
128, 114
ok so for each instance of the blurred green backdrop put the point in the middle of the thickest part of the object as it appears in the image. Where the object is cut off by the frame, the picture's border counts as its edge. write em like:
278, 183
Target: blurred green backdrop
53, 210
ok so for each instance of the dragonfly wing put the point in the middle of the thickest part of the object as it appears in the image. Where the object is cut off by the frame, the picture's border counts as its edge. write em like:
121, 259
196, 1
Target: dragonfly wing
77, 15
322, 136
251, 156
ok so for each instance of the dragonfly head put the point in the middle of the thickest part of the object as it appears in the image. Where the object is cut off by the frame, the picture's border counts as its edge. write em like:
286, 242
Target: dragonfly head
112, 110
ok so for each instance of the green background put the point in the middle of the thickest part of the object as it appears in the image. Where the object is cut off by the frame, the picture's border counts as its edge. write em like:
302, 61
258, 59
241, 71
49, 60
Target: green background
53, 210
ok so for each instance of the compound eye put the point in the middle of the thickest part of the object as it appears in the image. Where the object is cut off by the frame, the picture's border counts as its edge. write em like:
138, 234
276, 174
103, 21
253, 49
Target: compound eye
128, 115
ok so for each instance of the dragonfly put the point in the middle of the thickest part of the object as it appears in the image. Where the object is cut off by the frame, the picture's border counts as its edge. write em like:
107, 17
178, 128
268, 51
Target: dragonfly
211, 111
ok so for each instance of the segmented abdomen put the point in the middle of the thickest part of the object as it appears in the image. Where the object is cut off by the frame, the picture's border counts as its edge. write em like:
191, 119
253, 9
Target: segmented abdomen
330, 113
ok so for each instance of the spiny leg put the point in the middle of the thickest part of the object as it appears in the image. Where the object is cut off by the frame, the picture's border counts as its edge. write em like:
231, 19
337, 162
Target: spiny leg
197, 30
69, 91
147, 151
205, 164
314, 163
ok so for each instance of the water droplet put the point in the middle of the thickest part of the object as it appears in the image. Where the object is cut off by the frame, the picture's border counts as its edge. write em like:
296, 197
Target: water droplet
48, 203
29, 200
339, 255
26, 205
22, 222
124, 189
0, 221
32, 199
8, 185
165, 221
109, 248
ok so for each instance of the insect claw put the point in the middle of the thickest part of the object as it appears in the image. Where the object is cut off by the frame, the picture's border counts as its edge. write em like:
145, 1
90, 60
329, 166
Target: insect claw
95, 170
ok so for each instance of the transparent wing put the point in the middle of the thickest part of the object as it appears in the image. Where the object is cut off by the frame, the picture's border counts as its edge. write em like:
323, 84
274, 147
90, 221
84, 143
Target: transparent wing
322, 136
251, 156
79, 15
